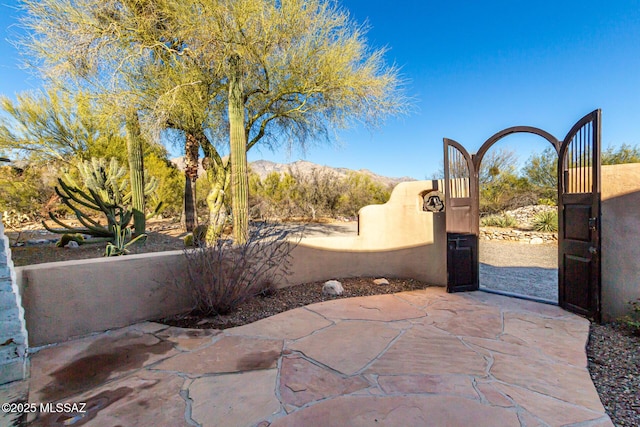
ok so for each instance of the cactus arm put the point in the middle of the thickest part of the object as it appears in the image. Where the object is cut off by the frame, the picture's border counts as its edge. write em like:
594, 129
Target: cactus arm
156, 211
70, 196
68, 228
97, 228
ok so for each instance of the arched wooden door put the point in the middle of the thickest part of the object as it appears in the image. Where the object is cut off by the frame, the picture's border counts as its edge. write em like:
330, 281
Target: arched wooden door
578, 213
461, 207
579, 218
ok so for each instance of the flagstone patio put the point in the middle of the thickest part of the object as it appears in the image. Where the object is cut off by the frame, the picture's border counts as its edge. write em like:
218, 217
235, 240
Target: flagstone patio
423, 358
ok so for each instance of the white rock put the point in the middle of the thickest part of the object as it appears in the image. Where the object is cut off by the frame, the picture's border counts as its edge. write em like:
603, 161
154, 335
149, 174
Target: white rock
536, 241
332, 287
72, 244
381, 282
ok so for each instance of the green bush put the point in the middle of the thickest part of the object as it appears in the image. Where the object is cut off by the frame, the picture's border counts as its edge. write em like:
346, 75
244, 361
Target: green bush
25, 191
502, 221
315, 194
170, 189
546, 222
547, 202
66, 238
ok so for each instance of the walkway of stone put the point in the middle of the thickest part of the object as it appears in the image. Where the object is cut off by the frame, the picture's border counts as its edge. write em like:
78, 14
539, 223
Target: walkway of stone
424, 358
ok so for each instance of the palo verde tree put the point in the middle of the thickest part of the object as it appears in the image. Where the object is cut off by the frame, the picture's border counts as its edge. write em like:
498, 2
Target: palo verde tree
278, 72
294, 71
54, 125
128, 53
74, 46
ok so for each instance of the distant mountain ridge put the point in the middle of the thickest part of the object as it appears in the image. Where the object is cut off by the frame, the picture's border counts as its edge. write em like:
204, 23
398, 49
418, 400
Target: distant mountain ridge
264, 167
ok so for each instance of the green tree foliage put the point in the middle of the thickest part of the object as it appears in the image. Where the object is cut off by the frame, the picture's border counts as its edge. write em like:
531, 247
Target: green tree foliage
277, 72
542, 172
619, 155
24, 193
53, 125
506, 192
361, 190
313, 195
50, 130
500, 186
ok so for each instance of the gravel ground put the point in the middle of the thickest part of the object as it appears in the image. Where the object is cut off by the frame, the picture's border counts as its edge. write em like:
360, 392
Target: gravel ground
614, 364
520, 268
288, 299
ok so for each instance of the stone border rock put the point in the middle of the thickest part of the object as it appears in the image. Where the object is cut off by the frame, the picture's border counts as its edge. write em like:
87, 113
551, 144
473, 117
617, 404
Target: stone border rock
520, 236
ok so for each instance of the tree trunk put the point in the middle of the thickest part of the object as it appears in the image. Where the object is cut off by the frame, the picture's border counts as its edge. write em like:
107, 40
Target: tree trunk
189, 219
238, 156
136, 171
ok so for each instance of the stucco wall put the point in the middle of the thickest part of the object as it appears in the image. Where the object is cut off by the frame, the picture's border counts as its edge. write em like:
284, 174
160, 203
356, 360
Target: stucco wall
74, 298
69, 299
620, 238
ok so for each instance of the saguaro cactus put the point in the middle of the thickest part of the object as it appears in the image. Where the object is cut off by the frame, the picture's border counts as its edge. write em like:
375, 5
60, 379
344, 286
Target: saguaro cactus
238, 155
136, 171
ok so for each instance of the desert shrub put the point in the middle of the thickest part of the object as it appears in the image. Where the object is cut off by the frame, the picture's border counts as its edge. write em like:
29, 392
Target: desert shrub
361, 190
547, 202
633, 319
170, 189
223, 275
546, 222
506, 192
314, 194
503, 221
25, 191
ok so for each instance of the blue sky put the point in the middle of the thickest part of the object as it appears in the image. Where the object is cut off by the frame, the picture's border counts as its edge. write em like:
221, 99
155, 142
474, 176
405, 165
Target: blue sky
474, 68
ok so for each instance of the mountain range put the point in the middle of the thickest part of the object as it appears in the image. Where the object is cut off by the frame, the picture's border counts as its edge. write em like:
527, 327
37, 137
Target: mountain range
264, 167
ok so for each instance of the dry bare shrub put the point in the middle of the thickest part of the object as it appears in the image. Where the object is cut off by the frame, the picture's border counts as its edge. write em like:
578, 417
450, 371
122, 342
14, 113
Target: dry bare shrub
224, 275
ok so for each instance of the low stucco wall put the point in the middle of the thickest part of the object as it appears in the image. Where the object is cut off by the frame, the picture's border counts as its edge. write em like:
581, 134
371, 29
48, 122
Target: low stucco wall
74, 298
620, 236
69, 299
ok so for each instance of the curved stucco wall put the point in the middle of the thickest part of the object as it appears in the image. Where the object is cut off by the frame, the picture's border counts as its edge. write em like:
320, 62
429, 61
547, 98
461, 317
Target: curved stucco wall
399, 223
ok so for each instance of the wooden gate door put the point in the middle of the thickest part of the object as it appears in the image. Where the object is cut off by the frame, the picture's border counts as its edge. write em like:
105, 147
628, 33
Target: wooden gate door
461, 207
579, 218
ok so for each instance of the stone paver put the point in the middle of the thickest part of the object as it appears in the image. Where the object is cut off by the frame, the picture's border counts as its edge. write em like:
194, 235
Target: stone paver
416, 358
188, 339
377, 307
142, 399
552, 411
229, 354
232, 400
400, 411
459, 385
552, 379
302, 382
348, 346
427, 350
292, 325
63, 371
